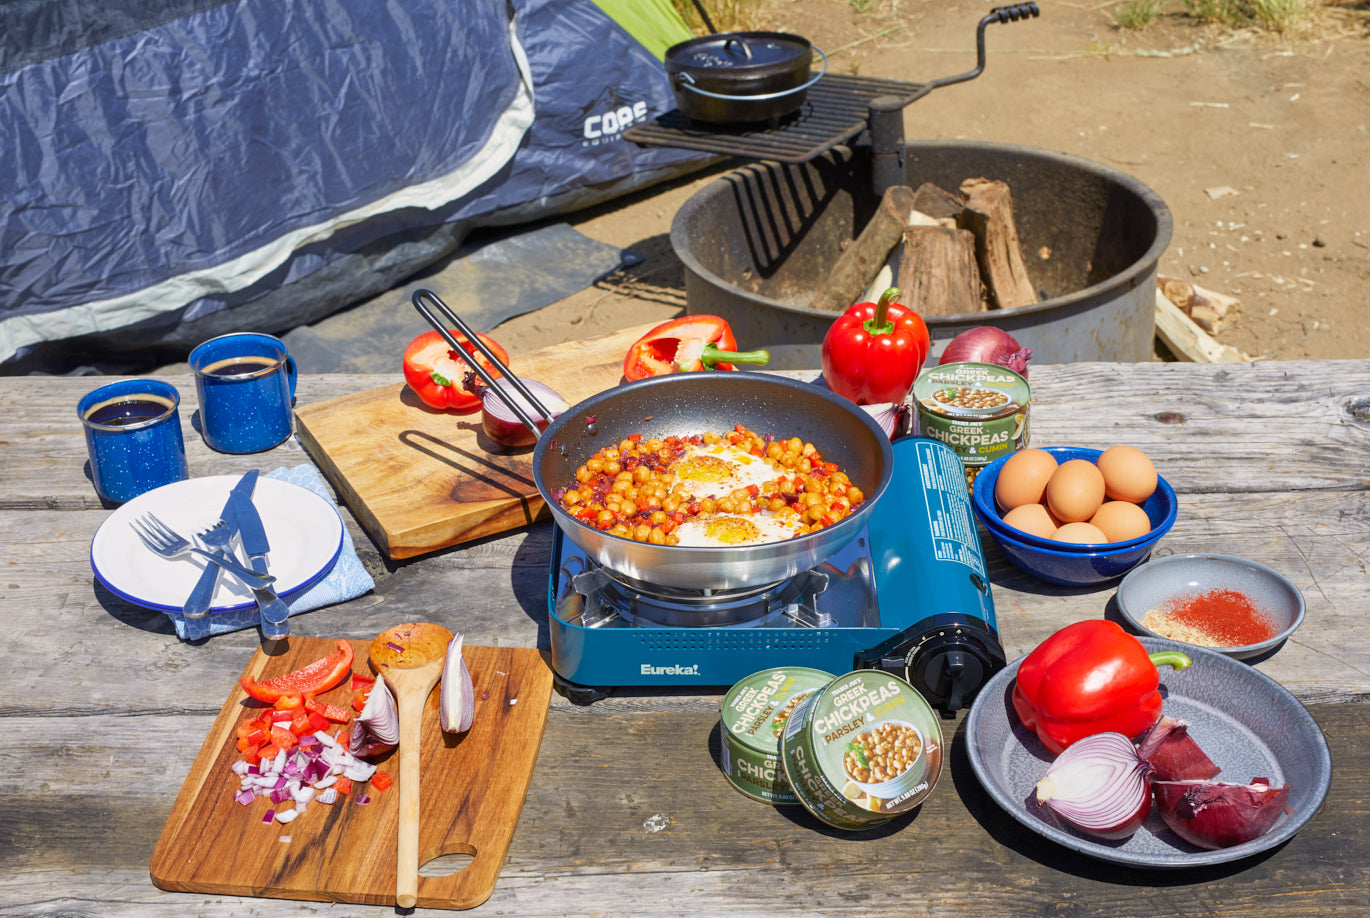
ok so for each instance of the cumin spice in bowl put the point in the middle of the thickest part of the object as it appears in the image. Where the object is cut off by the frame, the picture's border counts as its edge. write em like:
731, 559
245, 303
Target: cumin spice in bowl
1234, 606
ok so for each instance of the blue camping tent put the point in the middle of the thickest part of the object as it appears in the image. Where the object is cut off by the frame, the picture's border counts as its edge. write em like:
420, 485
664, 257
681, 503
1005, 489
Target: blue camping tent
176, 169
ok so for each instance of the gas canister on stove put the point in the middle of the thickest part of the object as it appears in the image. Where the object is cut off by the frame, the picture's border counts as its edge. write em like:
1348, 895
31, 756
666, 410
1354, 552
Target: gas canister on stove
925, 551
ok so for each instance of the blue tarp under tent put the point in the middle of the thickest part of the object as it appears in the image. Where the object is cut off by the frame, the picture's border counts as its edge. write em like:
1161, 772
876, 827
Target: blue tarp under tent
177, 169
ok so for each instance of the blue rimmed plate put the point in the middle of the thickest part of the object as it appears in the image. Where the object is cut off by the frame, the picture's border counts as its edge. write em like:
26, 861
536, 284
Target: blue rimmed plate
305, 531
1245, 721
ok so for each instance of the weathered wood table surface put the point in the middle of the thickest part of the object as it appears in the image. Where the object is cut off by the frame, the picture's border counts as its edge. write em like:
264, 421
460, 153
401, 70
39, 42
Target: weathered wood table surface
103, 709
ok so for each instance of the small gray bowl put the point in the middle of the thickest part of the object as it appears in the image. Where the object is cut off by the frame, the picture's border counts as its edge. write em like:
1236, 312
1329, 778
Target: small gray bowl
1158, 581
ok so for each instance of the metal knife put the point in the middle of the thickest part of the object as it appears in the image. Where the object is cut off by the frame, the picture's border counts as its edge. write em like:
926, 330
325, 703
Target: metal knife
275, 613
203, 594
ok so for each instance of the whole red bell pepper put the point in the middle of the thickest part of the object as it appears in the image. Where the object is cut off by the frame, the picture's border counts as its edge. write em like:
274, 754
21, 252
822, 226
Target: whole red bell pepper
682, 345
438, 375
874, 351
1090, 677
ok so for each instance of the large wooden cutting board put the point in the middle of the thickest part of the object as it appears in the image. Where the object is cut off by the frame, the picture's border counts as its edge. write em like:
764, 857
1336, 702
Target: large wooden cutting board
472, 789
418, 479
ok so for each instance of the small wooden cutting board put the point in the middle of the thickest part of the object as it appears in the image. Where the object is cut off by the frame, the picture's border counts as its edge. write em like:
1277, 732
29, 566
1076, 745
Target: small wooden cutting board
473, 787
419, 479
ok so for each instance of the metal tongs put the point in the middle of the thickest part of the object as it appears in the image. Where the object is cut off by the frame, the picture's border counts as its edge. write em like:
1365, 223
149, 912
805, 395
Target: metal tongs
486, 376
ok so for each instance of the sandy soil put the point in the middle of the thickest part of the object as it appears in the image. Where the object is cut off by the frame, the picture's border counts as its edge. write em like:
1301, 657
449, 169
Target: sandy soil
1260, 147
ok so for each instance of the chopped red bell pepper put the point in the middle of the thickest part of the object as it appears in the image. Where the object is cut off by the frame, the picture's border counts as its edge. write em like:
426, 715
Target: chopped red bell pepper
874, 351
437, 374
1090, 677
324, 709
684, 345
380, 780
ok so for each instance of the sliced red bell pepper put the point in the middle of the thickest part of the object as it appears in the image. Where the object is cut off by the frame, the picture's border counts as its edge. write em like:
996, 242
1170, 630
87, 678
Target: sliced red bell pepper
318, 676
437, 374
1090, 677
684, 345
874, 351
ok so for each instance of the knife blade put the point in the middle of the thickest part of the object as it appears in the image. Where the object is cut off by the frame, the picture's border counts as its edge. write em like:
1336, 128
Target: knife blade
202, 595
256, 546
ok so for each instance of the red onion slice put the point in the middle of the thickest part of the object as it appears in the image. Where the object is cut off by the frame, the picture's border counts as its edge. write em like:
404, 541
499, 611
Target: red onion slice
1173, 754
457, 695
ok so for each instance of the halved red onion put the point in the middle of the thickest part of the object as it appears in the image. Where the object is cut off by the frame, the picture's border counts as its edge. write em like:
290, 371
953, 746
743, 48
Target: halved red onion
1099, 786
1173, 754
378, 725
1212, 814
887, 415
502, 425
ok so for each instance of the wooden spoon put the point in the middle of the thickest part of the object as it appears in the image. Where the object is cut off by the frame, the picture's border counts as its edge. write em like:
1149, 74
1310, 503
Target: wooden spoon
410, 657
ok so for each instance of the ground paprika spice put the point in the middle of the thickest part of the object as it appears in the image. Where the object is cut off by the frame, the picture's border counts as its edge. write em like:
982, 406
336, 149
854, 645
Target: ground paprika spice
1216, 618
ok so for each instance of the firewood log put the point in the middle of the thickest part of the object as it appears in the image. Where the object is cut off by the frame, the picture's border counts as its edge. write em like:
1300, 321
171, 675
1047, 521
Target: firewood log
988, 214
858, 264
938, 273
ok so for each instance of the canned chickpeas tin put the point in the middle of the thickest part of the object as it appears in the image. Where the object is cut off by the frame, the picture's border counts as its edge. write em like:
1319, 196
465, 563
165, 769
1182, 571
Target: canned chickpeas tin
863, 749
753, 718
980, 410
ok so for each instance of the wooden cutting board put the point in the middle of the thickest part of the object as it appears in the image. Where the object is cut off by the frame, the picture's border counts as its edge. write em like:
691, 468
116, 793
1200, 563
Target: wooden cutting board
418, 479
472, 789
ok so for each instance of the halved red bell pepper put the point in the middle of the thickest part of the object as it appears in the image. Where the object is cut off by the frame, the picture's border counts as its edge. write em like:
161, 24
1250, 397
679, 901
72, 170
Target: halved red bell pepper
1090, 677
438, 375
874, 351
686, 344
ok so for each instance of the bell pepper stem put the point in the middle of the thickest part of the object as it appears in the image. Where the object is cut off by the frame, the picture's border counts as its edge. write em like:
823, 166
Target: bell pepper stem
880, 324
711, 356
1172, 658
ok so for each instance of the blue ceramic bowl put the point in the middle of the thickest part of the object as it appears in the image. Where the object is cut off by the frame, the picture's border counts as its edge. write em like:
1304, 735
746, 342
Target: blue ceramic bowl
1157, 582
1065, 563
1160, 507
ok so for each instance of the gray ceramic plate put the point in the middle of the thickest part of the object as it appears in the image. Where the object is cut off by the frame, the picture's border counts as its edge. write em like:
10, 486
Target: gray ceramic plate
1246, 722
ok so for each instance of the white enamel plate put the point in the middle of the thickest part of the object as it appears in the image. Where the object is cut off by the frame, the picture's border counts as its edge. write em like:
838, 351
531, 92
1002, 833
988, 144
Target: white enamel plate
305, 531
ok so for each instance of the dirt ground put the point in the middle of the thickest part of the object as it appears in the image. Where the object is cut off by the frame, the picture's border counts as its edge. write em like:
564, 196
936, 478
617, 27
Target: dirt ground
1259, 145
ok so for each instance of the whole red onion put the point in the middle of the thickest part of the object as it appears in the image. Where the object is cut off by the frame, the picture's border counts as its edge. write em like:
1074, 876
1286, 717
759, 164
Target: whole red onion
988, 344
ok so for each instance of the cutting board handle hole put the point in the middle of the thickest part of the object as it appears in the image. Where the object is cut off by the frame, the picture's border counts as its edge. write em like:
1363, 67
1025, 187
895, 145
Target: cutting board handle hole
445, 865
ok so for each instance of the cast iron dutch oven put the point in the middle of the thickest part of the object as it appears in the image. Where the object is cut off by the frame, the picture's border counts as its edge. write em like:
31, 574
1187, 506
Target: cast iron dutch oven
741, 77
694, 403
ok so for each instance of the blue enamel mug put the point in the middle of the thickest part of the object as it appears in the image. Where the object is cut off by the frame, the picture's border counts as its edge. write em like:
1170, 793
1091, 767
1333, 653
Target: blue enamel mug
133, 435
246, 386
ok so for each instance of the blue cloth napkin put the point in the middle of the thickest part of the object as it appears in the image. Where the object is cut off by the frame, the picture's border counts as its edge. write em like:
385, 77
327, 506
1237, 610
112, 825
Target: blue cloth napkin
346, 579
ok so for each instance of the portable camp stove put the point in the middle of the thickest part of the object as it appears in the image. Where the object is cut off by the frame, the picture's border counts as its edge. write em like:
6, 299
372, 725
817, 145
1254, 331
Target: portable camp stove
909, 594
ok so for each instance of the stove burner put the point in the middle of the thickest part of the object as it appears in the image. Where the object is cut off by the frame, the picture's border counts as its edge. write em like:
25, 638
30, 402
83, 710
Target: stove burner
837, 592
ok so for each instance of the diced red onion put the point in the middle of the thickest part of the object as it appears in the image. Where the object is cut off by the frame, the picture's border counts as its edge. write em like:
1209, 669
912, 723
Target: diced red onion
1211, 814
1173, 754
244, 797
328, 796
988, 344
502, 425
269, 818
1099, 786
361, 800
286, 816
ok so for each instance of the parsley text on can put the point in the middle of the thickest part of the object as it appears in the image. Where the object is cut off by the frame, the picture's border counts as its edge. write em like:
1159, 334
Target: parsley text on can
752, 720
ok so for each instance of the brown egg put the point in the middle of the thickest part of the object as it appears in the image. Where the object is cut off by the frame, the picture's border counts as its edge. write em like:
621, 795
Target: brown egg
1082, 533
1075, 491
1128, 474
1121, 520
1023, 478
1034, 519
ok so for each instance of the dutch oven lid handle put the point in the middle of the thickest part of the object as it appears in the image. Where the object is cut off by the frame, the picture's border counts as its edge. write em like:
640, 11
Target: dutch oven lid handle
687, 82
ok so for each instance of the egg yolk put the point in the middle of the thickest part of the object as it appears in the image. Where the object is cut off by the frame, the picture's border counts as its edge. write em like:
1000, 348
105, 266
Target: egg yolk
732, 530
704, 468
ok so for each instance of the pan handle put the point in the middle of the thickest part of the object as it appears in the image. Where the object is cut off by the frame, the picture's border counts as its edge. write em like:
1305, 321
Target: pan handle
999, 14
453, 319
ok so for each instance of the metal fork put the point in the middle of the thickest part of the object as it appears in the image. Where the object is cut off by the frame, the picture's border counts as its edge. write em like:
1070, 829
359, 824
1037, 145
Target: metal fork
167, 542
275, 613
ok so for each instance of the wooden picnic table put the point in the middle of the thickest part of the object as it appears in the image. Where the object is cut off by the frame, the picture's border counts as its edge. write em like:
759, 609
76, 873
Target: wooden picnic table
104, 709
